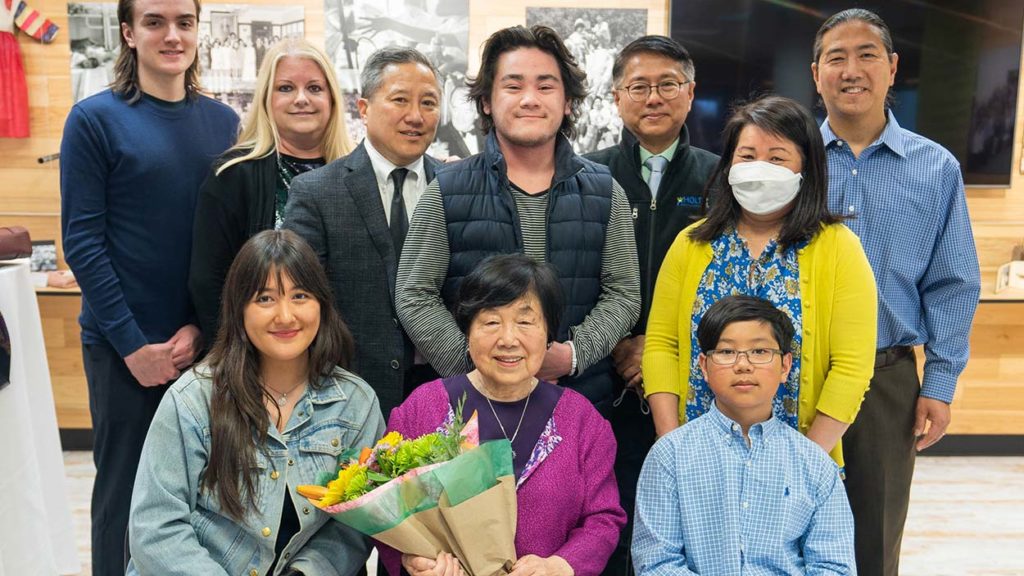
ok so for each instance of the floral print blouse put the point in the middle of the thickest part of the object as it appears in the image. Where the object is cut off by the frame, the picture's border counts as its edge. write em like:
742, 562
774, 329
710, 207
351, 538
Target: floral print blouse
774, 276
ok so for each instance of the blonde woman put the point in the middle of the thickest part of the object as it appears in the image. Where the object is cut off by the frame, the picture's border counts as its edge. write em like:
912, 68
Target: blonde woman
296, 124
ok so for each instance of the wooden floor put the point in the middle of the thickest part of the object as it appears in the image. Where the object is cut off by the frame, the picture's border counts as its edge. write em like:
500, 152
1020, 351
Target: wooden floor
966, 518
966, 515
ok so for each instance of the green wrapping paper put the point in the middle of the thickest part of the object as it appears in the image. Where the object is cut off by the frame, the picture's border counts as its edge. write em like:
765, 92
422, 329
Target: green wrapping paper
466, 506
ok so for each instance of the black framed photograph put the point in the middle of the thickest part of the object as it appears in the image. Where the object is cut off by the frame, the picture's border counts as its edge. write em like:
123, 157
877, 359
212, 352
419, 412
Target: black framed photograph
355, 29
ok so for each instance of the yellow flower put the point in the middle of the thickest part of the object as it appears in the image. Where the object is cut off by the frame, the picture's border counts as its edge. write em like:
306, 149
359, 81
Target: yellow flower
391, 439
336, 488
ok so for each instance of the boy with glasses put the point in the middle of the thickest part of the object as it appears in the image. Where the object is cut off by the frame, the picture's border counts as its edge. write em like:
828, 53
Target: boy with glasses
736, 490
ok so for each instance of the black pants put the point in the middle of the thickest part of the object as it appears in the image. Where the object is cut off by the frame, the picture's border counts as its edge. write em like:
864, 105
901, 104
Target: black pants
879, 453
121, 411
634, 436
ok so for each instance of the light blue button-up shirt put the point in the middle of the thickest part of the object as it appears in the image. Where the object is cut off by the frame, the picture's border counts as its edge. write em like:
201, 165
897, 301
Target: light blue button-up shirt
906, 196
710, 504
178, 529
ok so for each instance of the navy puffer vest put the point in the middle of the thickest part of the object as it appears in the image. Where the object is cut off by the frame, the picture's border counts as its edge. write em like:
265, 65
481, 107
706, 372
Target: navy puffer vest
482, 220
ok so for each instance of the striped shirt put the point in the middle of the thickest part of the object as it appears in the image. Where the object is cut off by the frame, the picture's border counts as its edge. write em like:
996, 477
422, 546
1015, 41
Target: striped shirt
710, 504
424, 267
533, 218
906, 196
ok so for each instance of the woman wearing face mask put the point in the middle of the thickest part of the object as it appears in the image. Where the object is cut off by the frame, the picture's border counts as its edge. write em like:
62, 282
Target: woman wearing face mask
768, 233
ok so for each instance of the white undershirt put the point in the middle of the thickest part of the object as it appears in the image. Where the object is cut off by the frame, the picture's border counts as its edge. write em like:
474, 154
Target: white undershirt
412, 189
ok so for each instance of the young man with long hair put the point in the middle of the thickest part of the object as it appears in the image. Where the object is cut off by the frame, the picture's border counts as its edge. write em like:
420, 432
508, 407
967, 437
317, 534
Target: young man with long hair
132, 160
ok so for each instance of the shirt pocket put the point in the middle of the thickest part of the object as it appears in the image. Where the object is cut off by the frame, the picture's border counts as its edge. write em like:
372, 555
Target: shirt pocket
321, 447
797, 511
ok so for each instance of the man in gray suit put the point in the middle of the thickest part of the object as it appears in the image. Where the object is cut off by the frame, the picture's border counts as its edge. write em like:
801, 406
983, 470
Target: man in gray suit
355, 212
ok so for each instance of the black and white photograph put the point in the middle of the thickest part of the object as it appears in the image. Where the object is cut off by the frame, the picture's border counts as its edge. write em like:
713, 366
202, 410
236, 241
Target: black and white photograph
232, 41
437, 28
594, 36
44, 256
95, 40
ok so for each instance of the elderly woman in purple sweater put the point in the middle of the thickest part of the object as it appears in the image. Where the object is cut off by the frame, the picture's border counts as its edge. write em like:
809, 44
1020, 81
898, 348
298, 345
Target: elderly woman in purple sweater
562, 450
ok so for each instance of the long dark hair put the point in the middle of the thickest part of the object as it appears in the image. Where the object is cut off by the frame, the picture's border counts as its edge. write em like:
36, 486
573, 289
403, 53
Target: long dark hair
126, 67
545, 39
784, 118
238, 413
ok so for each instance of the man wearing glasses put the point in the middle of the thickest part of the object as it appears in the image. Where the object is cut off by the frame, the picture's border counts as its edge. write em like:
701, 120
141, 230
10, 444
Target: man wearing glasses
663, 177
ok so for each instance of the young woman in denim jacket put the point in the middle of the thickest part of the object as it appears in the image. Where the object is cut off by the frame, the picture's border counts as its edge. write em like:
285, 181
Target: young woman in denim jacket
215, 490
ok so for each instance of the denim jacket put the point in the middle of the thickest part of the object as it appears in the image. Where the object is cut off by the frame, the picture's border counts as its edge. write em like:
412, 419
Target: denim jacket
176, 528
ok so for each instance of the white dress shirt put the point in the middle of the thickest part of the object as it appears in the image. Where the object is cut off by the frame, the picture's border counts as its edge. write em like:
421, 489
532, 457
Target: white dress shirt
412, 189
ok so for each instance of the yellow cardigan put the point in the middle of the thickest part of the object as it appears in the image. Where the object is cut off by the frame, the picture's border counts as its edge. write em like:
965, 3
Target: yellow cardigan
838, 301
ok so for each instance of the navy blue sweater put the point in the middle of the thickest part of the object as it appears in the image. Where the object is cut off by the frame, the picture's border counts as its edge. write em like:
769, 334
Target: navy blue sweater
129, 177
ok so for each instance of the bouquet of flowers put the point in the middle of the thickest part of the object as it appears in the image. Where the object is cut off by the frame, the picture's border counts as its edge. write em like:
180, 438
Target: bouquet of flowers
441, 492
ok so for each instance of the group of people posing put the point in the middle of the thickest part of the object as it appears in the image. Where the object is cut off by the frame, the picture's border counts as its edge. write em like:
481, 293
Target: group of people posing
704, 365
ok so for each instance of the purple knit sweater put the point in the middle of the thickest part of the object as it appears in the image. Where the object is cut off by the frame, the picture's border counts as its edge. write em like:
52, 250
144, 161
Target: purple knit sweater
568, 506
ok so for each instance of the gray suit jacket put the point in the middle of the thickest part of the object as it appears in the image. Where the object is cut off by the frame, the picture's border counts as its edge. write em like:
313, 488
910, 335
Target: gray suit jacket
338, 210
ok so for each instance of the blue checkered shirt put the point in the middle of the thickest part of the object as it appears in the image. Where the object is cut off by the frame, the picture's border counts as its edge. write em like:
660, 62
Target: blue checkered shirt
906, 195
708, 504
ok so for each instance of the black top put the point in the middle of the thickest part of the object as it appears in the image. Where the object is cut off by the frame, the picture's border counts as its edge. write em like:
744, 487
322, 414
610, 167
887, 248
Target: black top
232, 207
288, 528
677, 207
535, 416
289, 167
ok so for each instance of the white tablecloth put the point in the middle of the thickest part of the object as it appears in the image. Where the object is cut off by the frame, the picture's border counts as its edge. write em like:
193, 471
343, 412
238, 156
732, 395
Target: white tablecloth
36, 531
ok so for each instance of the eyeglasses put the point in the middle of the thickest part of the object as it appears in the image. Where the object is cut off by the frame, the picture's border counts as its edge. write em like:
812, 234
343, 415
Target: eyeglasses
641, 91
726, 357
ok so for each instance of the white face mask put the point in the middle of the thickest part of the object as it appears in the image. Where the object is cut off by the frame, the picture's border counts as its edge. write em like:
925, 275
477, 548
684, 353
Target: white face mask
762, 187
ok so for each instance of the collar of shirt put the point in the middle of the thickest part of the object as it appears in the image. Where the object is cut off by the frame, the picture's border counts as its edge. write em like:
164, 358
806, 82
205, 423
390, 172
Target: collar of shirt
668, 153
893, 137
759, 431
412, 189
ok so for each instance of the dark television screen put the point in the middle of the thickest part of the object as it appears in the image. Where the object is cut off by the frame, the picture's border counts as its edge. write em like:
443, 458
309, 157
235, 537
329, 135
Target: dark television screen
956, 81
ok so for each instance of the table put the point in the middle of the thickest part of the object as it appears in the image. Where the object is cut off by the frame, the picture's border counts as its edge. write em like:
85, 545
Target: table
36, 530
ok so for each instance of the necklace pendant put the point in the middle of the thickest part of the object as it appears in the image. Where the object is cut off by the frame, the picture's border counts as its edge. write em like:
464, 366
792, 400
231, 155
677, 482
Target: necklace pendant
513, 454
282, 400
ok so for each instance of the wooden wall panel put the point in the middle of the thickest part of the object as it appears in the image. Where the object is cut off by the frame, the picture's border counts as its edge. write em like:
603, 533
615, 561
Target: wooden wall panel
990, 397
59, 316
995, 241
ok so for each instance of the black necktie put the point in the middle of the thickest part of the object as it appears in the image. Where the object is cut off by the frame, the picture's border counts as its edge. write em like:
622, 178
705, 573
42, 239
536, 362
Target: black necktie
399, 221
